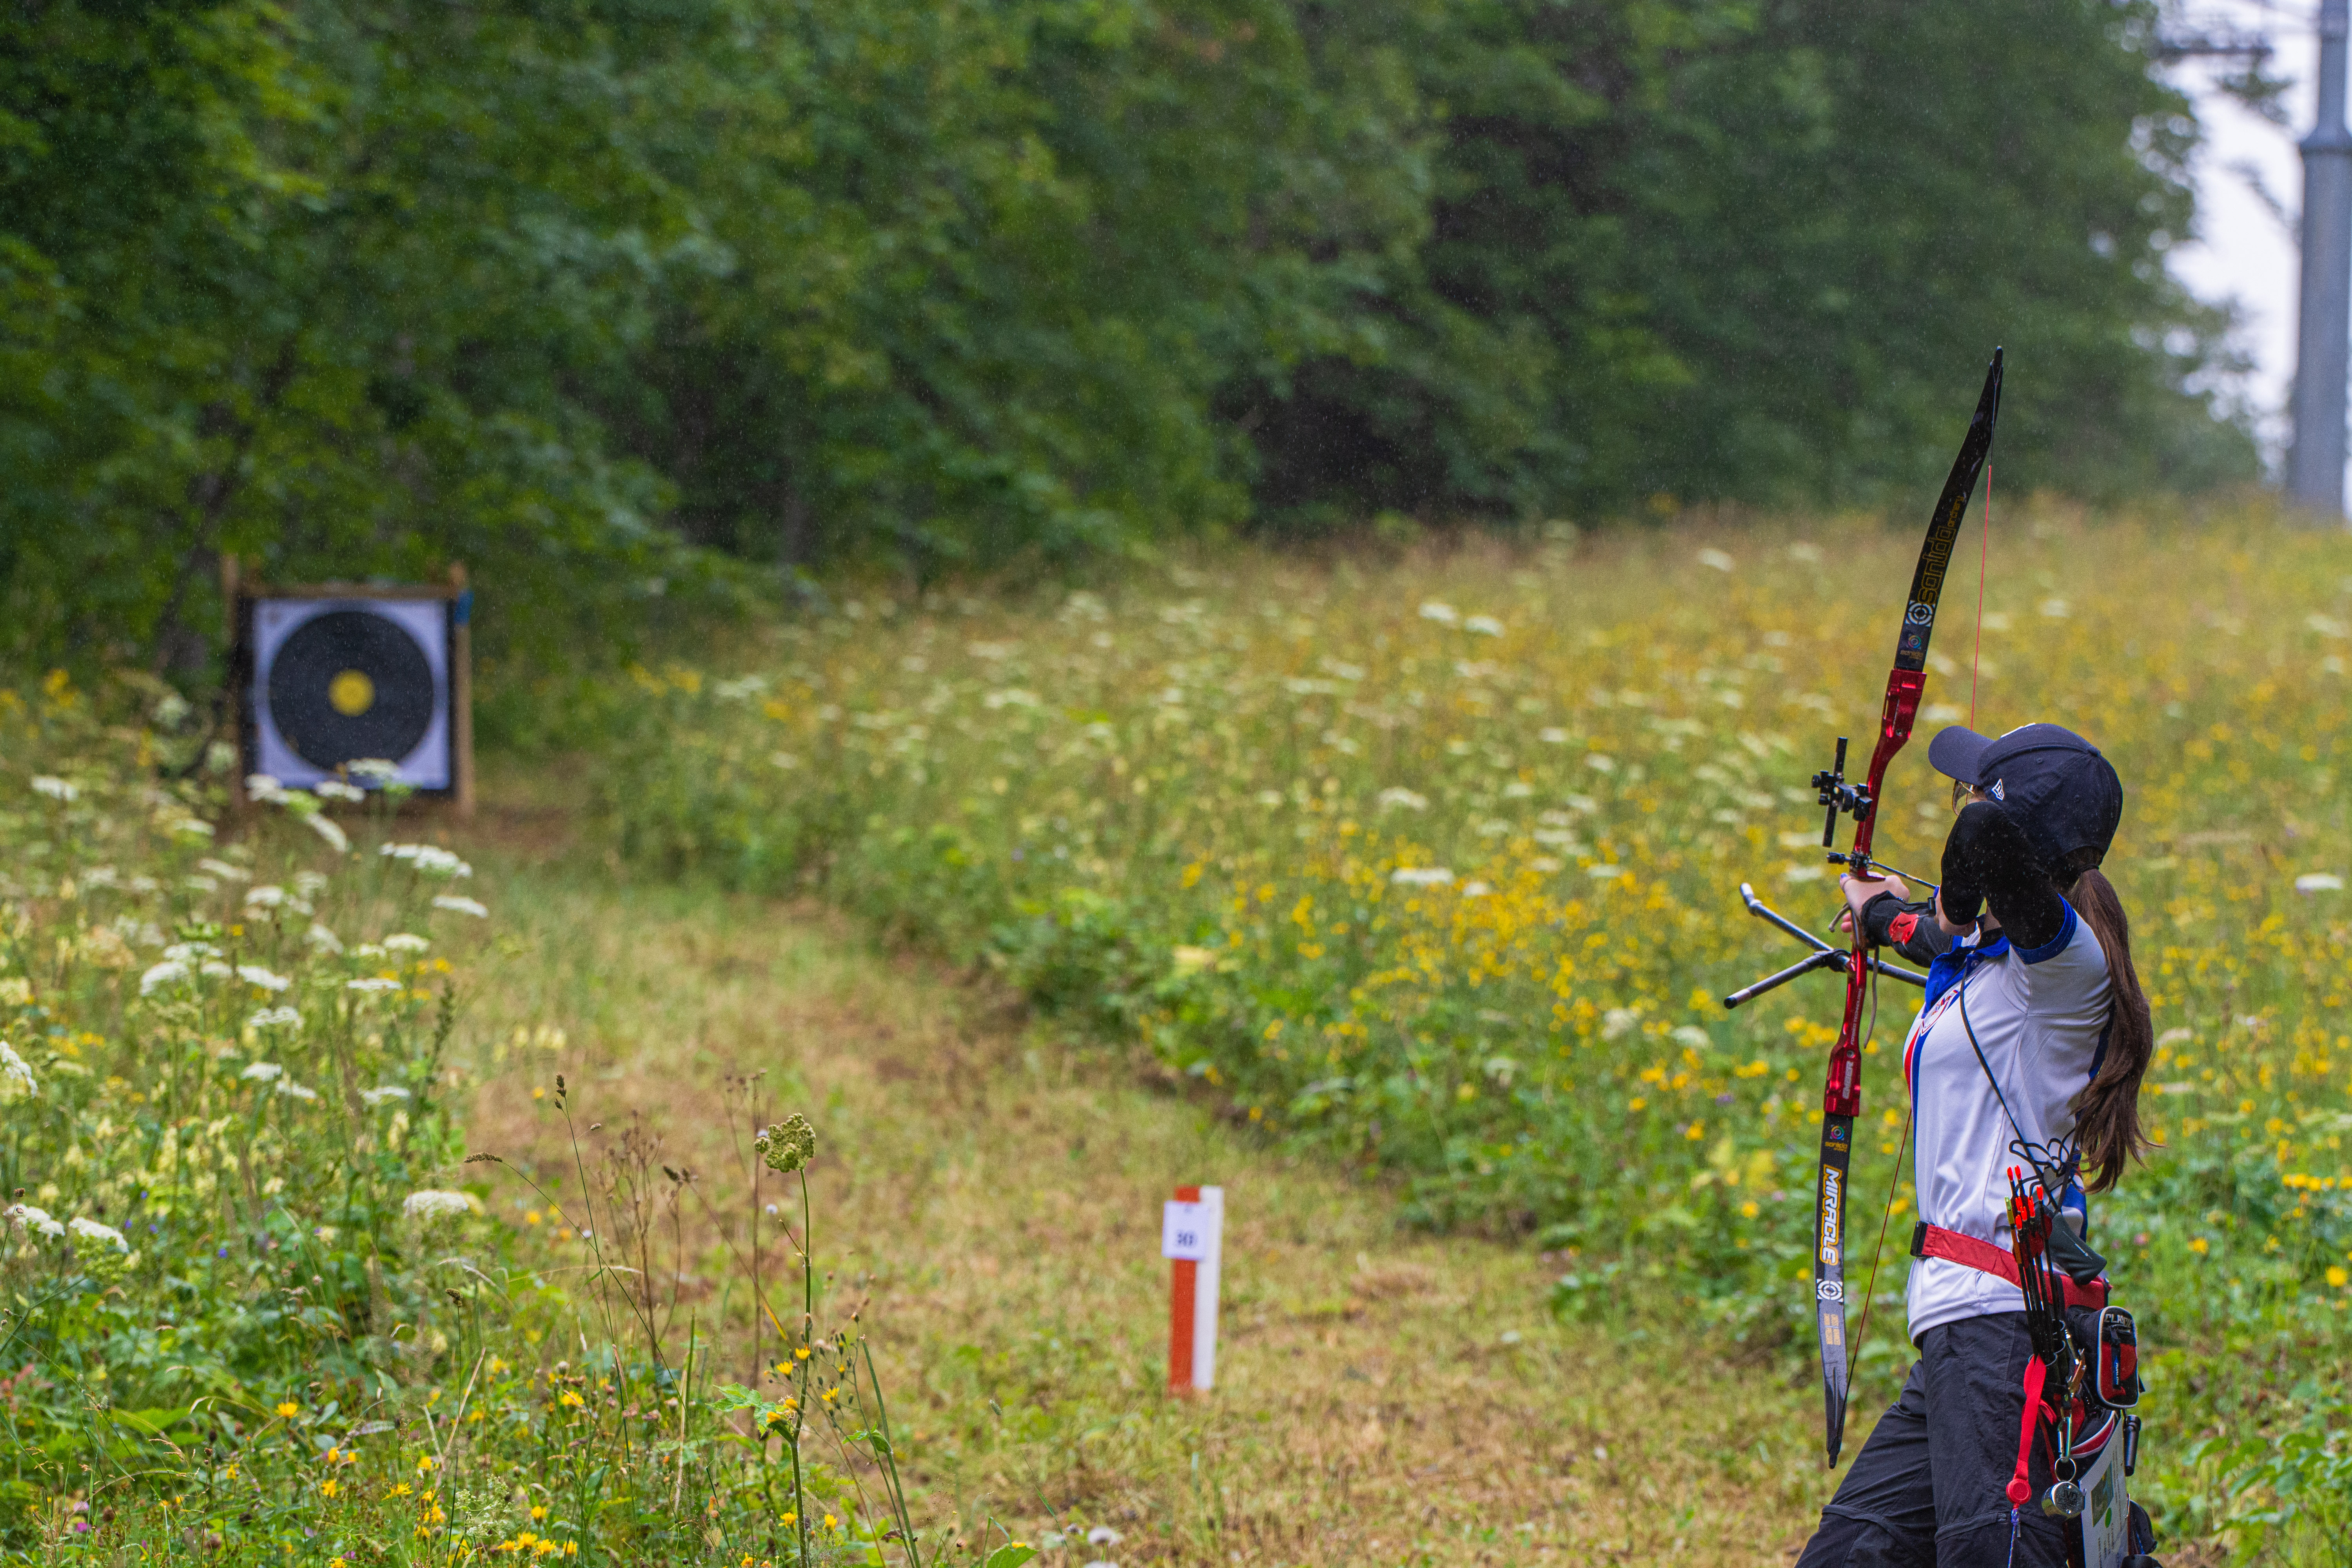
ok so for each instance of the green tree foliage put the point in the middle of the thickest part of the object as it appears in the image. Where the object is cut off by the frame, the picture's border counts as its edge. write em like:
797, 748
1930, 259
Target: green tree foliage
605, 296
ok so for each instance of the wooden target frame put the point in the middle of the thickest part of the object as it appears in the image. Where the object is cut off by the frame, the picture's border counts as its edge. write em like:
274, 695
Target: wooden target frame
241, 593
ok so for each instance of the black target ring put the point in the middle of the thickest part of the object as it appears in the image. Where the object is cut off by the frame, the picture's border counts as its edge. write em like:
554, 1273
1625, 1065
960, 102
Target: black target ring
348, 685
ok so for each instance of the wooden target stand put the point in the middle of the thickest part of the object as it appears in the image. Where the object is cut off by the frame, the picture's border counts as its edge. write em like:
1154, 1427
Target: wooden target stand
240, 594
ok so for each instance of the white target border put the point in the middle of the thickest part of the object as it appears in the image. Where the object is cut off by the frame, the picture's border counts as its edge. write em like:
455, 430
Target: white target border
430, 764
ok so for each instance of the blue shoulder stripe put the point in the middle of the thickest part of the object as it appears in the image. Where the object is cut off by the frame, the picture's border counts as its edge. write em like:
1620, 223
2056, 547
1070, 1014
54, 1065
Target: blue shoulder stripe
2056, 944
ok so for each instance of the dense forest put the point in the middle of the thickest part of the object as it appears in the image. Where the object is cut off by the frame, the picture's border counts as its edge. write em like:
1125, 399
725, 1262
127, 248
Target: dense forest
616, 297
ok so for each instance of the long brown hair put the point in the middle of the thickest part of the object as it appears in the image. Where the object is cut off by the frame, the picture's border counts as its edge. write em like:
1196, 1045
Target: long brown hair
2106, 1114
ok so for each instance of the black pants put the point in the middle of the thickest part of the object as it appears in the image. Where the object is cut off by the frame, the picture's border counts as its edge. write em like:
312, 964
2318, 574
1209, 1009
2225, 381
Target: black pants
1927, 1490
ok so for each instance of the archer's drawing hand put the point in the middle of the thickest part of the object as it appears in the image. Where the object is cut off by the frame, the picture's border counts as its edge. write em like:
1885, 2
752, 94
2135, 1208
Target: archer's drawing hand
1860, 890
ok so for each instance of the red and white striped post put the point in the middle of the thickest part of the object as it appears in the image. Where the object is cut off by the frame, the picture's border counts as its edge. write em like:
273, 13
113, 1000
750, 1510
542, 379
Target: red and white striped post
1191, 1234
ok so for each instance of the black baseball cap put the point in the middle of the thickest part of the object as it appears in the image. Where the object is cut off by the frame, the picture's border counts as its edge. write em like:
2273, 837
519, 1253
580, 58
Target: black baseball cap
2054, 782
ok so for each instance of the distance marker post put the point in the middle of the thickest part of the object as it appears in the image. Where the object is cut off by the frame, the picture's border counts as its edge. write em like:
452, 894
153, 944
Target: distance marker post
1191, 1234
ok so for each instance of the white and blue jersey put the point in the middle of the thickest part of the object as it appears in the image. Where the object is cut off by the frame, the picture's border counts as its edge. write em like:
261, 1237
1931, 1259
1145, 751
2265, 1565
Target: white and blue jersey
2041, 1016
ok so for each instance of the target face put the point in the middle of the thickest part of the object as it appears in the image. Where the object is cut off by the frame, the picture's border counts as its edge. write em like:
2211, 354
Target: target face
341, 681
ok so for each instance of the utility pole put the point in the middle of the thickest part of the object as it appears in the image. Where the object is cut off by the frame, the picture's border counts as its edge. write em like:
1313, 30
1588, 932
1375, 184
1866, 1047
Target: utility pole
2315, 469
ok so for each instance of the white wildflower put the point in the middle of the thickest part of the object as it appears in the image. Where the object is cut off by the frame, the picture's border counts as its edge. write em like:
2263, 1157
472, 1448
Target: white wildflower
261, 979
1444, 614
104, 1234
200, 884
54, 788
1552, 737
267, 896
405, 942
1420, 876
1604, 873
193, 828
383, 1095
1403, 797
372, 768
186, 951
1718, 560
371, 985
37, 1220
1484, 625
15, 1074
429, 859
264, 790
432, 1204
311, 884
214, 969
337, 839
274, 1018
2055, 609
263, 1072
324, 940
1103, 1535
171, 971
1600, 762
2319, 882
224, 870
457, 905
336, 789
297, 1090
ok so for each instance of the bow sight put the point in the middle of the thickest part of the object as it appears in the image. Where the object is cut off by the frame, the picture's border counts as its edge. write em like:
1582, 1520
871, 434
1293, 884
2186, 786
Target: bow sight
1831, 790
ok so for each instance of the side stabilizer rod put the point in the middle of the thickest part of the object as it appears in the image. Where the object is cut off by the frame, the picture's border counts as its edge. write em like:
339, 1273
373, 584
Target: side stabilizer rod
1823, 955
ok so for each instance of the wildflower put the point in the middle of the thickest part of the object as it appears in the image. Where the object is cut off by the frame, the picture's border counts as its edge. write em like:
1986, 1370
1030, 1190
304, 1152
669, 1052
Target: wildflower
104, 1234
432, 1204
371, 985
831, 1523
457, 905
2319, 882
264, 790
2337, 1277
429, 860
36, 1220
571, 1397
324, 938
289, 1409
1397, 796
171, 971
375, 768
2199, 1245
15, 1074
327, 1487
788, 1146
296, 1091
383, 1095
336, 789
424, 1464
268, 896
261, 979
402, 1489
1420, 876
263, 1072
1102, 1535
1716, 559
404, 941
337, 839
274, 1018
1444, 614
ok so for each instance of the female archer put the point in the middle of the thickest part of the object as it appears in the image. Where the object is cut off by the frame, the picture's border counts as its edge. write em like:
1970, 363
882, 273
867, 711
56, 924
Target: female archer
2028, 1052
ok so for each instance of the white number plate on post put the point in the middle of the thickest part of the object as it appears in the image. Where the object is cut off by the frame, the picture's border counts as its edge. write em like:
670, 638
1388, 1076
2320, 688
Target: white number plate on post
1184, 1232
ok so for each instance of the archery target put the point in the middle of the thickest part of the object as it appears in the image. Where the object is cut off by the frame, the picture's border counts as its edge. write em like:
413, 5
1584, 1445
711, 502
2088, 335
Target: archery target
337, 681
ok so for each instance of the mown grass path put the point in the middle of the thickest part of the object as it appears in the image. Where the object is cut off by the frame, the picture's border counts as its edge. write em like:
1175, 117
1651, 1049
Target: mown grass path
1386, 1397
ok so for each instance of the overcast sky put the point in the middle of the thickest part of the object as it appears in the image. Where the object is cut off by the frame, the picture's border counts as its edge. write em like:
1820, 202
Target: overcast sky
2245, 249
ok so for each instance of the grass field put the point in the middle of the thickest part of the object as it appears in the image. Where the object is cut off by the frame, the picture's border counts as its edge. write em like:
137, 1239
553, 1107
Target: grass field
1039, 902
1388, 1396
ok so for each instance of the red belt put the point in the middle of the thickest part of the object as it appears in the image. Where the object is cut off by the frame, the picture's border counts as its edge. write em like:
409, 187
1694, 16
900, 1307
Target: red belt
1968, 1251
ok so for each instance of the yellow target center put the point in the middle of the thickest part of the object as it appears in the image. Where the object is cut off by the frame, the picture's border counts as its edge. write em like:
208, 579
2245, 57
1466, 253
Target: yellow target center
351, 692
